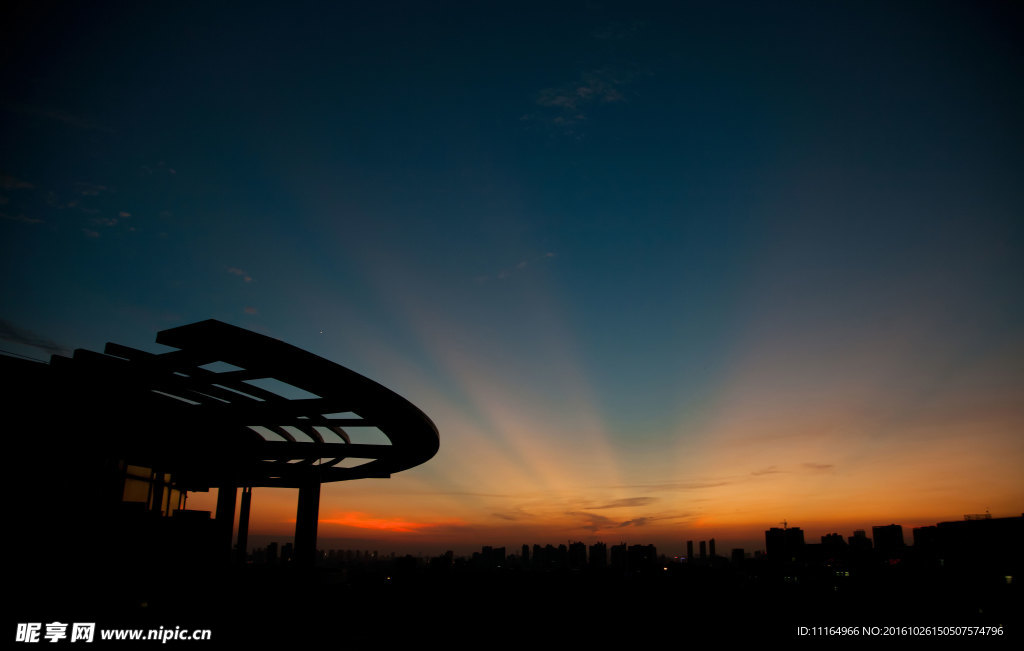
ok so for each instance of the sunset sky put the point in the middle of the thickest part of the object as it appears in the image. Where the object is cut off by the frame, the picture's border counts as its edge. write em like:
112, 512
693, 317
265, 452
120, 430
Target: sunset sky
656, 273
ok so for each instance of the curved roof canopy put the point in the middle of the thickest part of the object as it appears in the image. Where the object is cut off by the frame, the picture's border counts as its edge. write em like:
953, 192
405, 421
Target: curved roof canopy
172, 413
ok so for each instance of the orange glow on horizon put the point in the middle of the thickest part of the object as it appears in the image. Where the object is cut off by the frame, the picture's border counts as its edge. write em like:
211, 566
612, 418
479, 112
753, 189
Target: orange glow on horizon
364, 521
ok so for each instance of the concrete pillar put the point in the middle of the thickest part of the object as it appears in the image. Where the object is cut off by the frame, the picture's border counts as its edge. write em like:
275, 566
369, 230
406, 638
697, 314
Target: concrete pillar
306, 519
243, 524
225, 519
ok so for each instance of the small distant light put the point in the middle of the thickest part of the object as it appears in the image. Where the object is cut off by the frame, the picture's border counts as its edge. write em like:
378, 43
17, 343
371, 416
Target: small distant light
1009, 578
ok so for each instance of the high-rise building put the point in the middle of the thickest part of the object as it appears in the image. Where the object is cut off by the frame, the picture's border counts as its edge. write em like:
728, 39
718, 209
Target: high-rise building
577, 555
859, 542
689, 550
599, 555
618, 556
784, 545
888, 540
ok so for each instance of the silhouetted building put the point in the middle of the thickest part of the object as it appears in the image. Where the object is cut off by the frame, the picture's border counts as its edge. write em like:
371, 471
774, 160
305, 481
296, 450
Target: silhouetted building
888, 540
703, 551
785, 545
127, 434
689, 550
859, 542
619, 560
577, 556
599, 555
711, 548
990, 545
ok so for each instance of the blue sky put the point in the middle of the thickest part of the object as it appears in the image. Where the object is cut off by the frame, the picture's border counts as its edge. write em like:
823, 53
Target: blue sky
613, 250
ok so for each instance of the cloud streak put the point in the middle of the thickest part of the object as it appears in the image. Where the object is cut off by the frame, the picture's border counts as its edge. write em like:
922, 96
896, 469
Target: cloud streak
235, 271
508, 272
627, 502
12, 333
569, 105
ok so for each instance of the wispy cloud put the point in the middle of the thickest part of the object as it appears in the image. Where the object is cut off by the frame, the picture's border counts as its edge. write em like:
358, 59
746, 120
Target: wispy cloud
593, 521
818, 466
635, 522
12, 183
596, 523
508, 272
627, 502
687, 485
21, 218
770, 470
592, 87
235, 271
569, 105
57, 115
12, 333
90, 189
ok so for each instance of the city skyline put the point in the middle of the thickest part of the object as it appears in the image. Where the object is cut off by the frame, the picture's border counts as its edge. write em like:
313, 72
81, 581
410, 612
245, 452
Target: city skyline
652, 271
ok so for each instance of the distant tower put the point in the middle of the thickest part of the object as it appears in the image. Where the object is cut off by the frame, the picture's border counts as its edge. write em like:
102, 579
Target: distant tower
689, 551
888, 539
599, 555
703, 550
859, 541
577, 555
784, 545
711, 548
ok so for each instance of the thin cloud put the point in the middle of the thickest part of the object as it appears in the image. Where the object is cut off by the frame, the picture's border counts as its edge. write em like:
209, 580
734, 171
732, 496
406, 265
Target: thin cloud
11, 183
684, 485
569, 105
12, 333
627, 502
21, 218
818, 466
235, 271
56, 115
596, 523
770, 470
90, 189
251, 310
504, 274
635, 522
593, 522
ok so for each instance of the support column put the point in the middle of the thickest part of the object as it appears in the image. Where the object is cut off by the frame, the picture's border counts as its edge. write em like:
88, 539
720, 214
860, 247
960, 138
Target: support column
306, 519
243, 525
225, 519
156, 488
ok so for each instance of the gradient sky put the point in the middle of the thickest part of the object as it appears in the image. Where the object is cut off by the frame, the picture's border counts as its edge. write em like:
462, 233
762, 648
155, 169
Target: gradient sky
655, 273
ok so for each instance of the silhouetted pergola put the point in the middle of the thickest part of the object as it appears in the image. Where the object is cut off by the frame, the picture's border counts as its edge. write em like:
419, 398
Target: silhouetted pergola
221, 429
